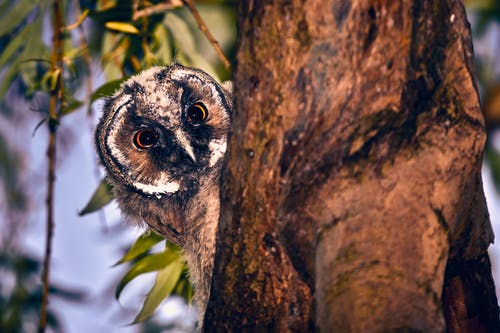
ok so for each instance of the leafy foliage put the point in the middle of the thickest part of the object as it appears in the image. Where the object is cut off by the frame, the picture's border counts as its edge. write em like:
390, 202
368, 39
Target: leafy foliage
170, 267
121, 38
25, 55
107, 89
101, 197
171, 277
133, 41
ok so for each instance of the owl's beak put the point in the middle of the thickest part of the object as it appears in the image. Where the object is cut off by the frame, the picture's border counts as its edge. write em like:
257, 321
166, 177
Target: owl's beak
184, 143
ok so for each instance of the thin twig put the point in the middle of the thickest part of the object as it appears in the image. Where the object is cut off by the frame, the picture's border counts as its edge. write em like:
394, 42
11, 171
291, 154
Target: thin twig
78, 22
207, 33
156, 9
56, 96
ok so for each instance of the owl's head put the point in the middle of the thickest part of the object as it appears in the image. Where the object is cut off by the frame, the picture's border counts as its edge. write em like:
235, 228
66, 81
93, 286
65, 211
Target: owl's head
164, 130
162, 139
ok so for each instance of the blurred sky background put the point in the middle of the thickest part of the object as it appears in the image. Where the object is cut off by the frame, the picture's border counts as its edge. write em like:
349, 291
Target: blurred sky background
85, 248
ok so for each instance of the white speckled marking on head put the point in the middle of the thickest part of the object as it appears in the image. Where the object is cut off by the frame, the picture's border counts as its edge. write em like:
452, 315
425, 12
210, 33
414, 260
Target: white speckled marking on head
150, 83
147, 78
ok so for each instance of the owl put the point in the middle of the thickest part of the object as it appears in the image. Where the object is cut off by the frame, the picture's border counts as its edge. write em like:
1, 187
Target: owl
162, 138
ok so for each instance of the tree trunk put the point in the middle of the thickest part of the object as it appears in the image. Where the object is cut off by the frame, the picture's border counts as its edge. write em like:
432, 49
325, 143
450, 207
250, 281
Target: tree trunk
352, 198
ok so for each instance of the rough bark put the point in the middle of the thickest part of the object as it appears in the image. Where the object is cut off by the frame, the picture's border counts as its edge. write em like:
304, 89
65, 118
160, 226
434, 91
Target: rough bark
352, 199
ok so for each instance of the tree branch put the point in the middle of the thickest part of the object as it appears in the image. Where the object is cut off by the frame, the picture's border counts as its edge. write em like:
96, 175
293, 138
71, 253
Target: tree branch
79, 21
156, 9
56, 96
207, 33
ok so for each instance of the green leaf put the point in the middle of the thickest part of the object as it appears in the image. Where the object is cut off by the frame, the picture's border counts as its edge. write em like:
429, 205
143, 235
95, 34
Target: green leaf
107, 89
35, 51
45, 81
163, 49
32, 48
114, 47
479, 4
15, 44
165, 283
150, 263
182, 33
54, 79
5, 5
38, 125
101, 197
122, 27
117, 11
8, 78
143, 243
13, 17
71, 104
184, 287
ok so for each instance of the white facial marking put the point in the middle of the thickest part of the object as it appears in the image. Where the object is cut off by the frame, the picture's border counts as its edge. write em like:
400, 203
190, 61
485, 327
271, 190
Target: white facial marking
114, 128
217, 150
157, 188
181, 138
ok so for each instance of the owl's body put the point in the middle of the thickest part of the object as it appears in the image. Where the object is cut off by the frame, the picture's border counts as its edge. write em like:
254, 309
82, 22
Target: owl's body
162, 139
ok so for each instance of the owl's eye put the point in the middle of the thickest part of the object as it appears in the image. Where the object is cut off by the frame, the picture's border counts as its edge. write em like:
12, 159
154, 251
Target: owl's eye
145, 138
196, 113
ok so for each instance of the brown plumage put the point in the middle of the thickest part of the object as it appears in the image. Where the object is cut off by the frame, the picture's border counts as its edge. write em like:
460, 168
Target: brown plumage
162, 138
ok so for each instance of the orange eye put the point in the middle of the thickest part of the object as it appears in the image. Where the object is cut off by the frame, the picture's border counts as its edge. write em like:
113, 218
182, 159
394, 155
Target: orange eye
145, 138
196, 113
